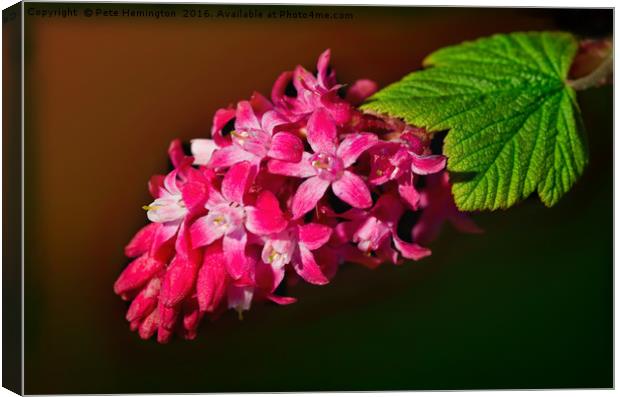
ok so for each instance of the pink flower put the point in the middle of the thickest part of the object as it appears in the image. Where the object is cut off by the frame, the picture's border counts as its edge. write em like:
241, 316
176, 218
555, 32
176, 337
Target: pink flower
220, 120
376, 231
253, 139
312, 93
360, 90
402, 161
328, 166
294, 245
228, 218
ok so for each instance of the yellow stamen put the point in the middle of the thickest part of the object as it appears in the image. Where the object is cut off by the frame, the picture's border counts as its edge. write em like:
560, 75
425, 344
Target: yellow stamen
319, 164
150, 207
239, 135
273, 256
239, 313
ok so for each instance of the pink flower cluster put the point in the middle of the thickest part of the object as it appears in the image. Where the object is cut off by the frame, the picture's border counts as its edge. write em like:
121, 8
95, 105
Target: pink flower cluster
293, 186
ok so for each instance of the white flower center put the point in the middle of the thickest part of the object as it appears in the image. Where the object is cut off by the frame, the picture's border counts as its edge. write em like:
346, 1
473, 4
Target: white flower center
226, 217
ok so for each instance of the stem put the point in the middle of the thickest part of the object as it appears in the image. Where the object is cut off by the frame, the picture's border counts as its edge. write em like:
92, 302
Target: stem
597, 77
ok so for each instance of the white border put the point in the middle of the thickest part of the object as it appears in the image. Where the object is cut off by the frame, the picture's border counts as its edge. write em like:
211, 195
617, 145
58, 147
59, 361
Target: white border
479, 3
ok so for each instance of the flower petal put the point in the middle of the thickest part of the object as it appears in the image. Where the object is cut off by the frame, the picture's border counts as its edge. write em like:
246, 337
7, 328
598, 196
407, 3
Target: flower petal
354, 145
175, 152
314, 235
287, 147
212, 279
308, 194
386, 253
306, 267
240, 297
322, 134
215, 198
279, 87
351, 189
167, 315
170, 182
281, 300
149, 325
339, 110
233, 245
245, 119
195, 192
141, 242
162, 239
328, 260
260, 104
424, 165
156, 184
237, 180
300, 169
228, 156
202, 149
371, 234
388, 209
191, 318
220, 119
265, 217
163, 335
360, 90
137, 273
268, 277
202, 233
410, 195
145, 302
304, 82
409, 250
271, 120
178, 281
325, 76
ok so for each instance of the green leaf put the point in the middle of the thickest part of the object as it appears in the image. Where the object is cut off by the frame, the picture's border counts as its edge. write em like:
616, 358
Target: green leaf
514, 123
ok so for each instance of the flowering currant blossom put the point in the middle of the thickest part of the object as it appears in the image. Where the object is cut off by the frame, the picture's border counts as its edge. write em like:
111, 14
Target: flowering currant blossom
314, 92
229, 219
293, 245
402, 160
254, 138
375, 231
327, 166
252, 208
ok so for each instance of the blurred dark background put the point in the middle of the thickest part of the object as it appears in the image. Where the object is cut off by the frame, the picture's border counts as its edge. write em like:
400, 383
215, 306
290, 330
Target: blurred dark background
528, 304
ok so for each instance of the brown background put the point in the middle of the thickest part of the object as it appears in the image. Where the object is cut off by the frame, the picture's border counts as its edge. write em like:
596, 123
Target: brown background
104, 97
